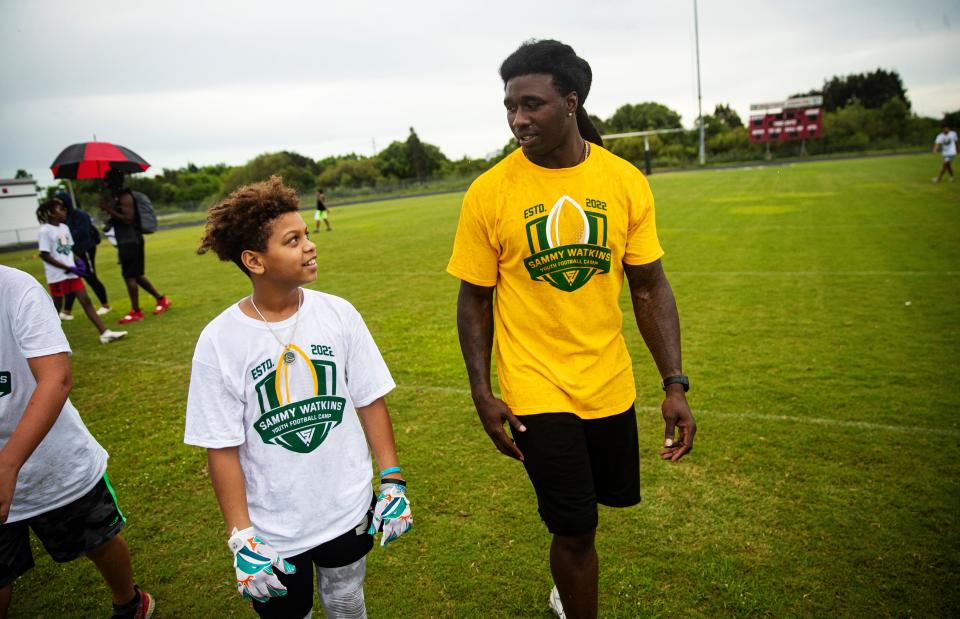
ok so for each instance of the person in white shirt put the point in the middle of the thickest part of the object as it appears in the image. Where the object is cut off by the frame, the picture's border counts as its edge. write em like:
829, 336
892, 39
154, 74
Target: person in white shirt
286, 391
62, 271
946, 142
53, 473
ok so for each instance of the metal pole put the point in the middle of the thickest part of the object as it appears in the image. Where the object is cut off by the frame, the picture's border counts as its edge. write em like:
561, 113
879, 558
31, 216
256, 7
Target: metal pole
646, 155
696, 33
73, 198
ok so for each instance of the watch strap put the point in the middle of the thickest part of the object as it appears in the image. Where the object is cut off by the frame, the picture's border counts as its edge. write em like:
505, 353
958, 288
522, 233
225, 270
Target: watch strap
681, 379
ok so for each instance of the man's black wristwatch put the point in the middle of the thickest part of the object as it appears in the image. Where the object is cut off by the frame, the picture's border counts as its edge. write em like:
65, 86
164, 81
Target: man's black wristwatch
677, 379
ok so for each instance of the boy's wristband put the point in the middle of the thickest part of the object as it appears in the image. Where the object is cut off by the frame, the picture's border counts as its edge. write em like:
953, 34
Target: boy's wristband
392, 469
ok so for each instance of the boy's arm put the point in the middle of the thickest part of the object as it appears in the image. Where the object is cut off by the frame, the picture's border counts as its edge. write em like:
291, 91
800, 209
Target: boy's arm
379, 430
391, 514
52, 373
228, 485
46, 257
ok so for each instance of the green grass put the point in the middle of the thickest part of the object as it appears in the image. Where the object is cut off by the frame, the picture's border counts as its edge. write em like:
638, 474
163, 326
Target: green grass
821, 326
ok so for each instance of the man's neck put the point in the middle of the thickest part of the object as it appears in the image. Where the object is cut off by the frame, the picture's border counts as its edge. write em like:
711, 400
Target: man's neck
568, 154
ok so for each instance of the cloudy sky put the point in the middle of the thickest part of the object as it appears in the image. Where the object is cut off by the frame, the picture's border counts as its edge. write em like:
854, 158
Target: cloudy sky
222, 81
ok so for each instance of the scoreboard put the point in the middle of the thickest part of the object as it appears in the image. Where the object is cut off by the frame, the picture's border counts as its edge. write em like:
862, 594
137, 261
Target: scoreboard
800, 118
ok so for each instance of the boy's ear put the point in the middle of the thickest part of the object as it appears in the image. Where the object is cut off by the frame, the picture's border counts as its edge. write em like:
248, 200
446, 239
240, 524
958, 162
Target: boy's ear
252, 261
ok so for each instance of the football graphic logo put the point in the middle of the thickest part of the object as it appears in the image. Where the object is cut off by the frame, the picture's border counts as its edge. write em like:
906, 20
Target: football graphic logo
568, 246
298, 402
567, 224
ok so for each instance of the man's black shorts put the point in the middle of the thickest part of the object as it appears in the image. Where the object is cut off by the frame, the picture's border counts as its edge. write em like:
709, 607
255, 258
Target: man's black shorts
575, 464
132, 260
343, 550
66, 532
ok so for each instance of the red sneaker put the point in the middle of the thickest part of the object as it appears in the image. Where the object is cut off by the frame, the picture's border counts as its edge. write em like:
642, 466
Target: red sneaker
132, 316
163, 304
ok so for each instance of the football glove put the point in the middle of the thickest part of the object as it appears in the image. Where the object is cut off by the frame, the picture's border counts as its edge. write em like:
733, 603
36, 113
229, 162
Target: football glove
392, 513
254, 561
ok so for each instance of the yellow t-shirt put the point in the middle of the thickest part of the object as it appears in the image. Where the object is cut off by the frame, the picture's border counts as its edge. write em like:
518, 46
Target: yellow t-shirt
553, 242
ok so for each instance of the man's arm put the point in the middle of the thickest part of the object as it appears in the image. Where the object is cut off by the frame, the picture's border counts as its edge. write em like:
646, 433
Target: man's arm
125, 214
655, 310
52, 373
475, 327
228, 484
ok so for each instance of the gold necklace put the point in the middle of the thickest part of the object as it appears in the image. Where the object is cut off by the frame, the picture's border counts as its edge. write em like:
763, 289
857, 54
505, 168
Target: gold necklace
288, 355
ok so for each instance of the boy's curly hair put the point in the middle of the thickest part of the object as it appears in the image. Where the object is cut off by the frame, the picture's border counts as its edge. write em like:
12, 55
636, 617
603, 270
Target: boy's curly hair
244, 220
45, 210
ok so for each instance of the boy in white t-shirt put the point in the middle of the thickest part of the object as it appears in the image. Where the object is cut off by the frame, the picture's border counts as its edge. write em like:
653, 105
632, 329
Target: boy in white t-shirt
63, 273
946, 142
53, 473
287, 389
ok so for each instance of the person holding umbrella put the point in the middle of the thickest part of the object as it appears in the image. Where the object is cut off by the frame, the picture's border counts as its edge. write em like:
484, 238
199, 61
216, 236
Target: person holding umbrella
110, 162
130, 246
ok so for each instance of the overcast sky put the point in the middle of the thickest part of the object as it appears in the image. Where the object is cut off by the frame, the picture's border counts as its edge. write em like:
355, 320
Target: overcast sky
218, 81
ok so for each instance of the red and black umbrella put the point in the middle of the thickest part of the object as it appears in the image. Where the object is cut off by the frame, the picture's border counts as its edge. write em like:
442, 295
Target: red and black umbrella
93, 159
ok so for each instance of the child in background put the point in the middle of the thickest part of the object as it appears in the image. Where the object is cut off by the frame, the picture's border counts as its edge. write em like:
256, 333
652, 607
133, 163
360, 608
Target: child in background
322, 212
53, 473
287, 389
63, 273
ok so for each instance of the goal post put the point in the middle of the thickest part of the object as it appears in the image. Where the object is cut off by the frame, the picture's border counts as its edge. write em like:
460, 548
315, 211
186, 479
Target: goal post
647, 157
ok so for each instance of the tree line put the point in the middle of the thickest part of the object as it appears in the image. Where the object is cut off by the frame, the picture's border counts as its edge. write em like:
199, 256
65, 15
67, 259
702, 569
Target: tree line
864, 111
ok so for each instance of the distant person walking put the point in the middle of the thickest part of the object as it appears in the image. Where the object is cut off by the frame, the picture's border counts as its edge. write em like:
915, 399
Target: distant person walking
85, 240
62, 271
322, 212
946, 142
130, 246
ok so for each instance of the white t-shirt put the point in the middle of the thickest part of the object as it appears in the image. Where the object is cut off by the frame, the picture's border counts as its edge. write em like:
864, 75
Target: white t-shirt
947, 142
302, 449
58, 242
69, 461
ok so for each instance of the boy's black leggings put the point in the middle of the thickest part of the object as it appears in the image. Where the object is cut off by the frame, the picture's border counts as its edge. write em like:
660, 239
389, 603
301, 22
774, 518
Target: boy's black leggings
91, 278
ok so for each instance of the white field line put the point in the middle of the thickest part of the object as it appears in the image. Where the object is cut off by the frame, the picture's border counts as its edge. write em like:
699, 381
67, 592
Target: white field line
703, 273
774, 227
811, 273
817, 421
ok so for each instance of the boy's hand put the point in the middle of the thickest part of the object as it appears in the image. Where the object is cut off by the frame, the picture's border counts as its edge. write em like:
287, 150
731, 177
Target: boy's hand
8, 483
392, 513
254, 561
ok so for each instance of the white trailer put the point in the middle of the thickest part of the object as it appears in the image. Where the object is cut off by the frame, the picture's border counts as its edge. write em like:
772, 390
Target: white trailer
18, 211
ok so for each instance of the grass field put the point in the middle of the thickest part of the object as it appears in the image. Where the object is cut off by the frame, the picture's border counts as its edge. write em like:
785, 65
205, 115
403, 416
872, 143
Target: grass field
820, 306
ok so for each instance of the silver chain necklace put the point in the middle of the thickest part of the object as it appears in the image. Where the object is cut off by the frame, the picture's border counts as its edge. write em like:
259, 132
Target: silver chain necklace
288, 355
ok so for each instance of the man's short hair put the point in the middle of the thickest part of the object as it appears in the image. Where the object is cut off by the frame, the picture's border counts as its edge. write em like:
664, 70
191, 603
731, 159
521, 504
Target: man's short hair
244, 220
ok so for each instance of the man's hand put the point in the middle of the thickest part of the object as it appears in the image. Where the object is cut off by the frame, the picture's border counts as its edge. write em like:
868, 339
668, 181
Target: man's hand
254, 561
677, 418
392, 513
493, 413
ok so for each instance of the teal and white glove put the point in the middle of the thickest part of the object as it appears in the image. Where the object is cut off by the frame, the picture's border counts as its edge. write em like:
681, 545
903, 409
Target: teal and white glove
392, 513
254, 561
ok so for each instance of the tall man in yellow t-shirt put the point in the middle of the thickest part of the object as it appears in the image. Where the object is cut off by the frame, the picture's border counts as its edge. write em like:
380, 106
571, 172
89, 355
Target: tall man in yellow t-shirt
544, 240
